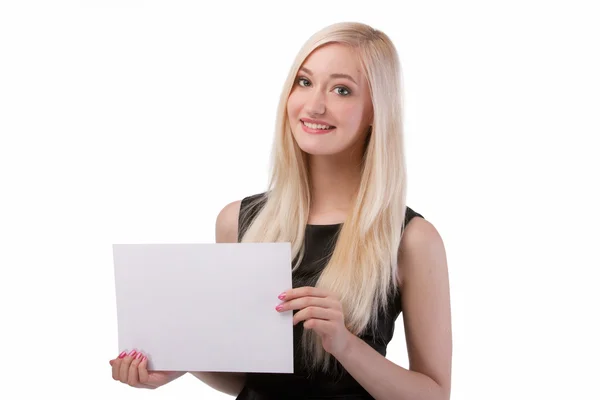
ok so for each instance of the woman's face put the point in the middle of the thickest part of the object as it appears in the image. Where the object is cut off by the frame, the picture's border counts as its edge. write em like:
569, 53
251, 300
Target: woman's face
329, 108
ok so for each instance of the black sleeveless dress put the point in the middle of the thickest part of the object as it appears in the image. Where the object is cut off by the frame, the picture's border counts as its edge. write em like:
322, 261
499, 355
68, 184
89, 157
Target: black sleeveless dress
319, 240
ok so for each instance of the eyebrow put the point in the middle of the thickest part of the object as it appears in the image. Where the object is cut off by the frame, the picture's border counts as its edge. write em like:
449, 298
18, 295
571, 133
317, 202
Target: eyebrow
308, 71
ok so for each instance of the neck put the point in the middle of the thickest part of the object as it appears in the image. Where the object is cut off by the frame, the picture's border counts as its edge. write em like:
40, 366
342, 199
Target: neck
334, 181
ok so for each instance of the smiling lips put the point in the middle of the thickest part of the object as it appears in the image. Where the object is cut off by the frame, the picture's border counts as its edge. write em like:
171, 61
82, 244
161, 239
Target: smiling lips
315, 126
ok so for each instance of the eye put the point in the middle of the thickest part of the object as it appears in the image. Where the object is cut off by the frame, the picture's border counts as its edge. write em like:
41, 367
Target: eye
343, 91
300, 80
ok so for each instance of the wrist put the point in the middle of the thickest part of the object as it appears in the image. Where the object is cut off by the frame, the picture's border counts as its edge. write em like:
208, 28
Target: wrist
347, 352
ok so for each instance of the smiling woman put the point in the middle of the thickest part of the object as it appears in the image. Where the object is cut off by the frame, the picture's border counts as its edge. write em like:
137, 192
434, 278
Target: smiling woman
331, 78
361, 256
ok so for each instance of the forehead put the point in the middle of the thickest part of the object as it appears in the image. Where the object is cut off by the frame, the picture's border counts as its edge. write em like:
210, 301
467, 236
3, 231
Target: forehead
334, 58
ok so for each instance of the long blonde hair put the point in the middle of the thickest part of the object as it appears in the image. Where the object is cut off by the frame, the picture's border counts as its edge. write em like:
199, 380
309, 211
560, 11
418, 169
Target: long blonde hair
362, 270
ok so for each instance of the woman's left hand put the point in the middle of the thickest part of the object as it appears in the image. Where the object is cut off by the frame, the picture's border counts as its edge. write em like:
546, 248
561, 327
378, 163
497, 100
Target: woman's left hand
322, 312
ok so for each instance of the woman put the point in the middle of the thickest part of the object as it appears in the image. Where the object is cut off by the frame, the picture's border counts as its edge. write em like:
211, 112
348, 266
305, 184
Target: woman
361, 256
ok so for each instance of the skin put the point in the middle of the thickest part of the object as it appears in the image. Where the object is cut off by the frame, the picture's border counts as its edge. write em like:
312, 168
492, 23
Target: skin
334, 158
133, 370
422, 267
334, 171
426, 310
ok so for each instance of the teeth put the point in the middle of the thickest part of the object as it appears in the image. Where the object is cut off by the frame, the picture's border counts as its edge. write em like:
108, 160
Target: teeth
316, 126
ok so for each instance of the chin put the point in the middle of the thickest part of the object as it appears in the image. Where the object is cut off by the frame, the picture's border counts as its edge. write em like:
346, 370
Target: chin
317, 145
318, 152
317, 149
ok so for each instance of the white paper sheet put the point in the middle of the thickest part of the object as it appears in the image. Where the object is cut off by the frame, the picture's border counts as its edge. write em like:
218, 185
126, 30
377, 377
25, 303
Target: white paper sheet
205, 307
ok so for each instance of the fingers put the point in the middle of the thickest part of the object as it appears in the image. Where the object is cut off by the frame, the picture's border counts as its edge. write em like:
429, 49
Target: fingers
133, 379
303, 292
143, 370
328, 314
318, 325
124, 370
116, 366
127, 368
303, 302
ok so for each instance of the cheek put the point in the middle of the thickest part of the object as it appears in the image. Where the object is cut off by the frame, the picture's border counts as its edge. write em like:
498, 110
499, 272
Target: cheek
351, 115
293, 106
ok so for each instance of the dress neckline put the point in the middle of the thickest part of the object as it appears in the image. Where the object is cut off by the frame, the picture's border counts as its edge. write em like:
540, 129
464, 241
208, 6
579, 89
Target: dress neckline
316, 226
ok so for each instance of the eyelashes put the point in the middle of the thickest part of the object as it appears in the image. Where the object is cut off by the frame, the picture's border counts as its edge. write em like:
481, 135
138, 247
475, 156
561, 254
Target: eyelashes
300, 80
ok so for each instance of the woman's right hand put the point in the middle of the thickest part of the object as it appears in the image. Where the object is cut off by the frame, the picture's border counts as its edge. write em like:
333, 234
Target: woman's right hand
132, 369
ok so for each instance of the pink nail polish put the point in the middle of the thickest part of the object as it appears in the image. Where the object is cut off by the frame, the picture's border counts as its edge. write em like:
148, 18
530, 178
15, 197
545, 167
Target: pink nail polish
139, 356
282, 296
132, 353
279, 308
123, 354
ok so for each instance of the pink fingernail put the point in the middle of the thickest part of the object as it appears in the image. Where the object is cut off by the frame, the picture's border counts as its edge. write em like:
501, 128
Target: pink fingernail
139, 356
123, 354
132, 353
279, 308
282, 296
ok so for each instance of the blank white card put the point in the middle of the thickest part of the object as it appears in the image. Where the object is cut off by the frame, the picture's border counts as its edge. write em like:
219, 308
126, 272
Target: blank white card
205, 307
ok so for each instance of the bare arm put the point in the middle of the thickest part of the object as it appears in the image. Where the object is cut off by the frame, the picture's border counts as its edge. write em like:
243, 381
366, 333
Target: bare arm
226, 231
426, 308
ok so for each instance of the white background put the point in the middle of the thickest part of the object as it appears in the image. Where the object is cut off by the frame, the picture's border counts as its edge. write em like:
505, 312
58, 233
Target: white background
137, 121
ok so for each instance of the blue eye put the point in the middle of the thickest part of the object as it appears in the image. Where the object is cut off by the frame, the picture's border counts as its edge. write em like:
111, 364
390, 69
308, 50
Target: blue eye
347, 92
301, 80
343, 91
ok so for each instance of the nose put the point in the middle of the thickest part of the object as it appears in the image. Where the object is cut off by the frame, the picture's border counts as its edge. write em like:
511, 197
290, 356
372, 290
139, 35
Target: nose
315, 104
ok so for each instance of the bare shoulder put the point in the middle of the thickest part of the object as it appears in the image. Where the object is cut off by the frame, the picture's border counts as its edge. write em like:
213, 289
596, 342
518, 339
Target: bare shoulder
423, 274
421, 239
226, 229
422, 257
